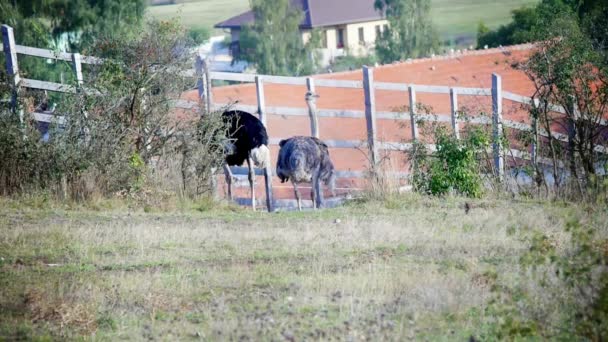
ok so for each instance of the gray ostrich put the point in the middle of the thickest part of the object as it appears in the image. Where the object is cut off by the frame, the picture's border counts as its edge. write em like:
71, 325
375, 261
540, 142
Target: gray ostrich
306, 159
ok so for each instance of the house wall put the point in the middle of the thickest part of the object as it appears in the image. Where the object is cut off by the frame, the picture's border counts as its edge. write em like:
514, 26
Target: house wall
331, 38
306, 34
352, 45
235, 35
352, 36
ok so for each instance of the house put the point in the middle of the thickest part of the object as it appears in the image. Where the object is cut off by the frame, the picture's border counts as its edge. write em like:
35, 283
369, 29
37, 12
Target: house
346, 26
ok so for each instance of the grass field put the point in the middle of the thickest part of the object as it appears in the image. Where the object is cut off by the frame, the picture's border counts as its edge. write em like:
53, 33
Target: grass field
408, 268
452, 17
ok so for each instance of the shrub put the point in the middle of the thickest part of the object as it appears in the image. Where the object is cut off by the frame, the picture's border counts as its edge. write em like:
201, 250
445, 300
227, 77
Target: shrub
199, 35
453, 166
119, 125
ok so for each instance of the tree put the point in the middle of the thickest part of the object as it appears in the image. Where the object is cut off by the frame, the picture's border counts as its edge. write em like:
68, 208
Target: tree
410, 33
51, 23
516, 32
529, 21
81, 18
274, 43
570, 68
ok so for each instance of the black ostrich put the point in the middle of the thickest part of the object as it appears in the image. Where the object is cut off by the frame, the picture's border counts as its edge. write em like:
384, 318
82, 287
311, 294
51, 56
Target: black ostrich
306, 159
248, 141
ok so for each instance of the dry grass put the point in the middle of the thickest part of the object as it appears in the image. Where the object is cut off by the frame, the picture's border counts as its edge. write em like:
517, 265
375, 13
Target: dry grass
408, 268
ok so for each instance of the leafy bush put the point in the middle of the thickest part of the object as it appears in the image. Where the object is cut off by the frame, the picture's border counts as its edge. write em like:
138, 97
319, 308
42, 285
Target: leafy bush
453, 166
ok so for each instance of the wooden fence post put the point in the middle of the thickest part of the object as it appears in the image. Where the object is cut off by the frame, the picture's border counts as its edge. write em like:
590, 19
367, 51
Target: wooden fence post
200, 82
77, 66
259, 86
312, 107
497, 121
412, 92
370, 115
12, 67
203, 84
454, 112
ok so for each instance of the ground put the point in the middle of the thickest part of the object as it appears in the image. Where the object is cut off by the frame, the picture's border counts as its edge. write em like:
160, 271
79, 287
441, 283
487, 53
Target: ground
408, 267
453, 18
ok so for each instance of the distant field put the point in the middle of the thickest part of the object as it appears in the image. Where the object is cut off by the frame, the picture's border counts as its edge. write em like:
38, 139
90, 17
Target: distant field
202, 13
453, 17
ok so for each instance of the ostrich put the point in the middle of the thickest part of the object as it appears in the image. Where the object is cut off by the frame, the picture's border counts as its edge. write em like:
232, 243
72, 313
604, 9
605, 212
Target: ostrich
306, 159
248, 141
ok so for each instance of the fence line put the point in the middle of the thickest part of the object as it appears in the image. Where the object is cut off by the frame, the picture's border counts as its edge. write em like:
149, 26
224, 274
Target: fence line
368, 85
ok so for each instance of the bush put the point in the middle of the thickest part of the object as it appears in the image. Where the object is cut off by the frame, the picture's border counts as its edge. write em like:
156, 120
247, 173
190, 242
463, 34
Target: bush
199, 35
453, 166
119, 127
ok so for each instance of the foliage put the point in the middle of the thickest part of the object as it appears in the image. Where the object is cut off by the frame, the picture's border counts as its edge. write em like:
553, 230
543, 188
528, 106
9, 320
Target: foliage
453, 166
119, 123
529, 21
274, 43
202, 153
573, 281
26, 162
570, 71
65, 25
199, 35
516, 32
410, 33
345, 63
81, 20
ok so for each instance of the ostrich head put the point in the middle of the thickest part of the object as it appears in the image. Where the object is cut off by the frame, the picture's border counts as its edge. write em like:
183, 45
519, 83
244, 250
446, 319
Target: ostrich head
261, 156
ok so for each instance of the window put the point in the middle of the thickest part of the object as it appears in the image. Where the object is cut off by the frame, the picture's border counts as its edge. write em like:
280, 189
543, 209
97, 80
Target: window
378, 31
361, 36
384, 27
340, 38
324, 40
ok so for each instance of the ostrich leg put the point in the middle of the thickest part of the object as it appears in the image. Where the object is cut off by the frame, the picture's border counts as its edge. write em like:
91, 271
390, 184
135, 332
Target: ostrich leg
228, 175
316, 189
297, 192
251, 181
319, 191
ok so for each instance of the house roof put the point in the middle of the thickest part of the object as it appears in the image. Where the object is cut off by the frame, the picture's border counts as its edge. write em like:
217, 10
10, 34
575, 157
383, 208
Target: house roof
319, 13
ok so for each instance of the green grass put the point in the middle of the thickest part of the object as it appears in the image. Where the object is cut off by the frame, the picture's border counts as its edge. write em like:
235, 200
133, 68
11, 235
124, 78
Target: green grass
412, 268
205, 13
453, 18
461, 17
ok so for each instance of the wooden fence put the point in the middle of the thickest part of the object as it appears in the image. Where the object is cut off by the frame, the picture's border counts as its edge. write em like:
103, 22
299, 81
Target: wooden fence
370, 114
